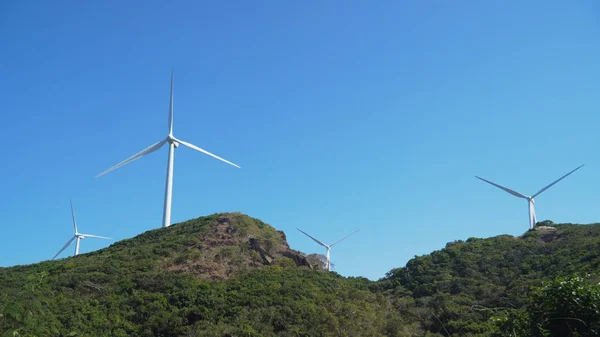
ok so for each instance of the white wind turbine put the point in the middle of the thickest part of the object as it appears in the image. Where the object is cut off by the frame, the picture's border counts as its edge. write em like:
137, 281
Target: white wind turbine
77, 236
530, 201
328, 247
173, 143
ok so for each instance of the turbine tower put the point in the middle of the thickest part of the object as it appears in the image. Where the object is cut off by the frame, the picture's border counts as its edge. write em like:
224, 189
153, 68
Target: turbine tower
328, 247
173, 144
530, 201
77, 236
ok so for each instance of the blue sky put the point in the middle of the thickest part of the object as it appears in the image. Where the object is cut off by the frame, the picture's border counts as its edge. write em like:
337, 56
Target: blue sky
343, 115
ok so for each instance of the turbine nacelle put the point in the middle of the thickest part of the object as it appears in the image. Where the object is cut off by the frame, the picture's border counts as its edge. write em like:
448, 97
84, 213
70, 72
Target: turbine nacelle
172, 140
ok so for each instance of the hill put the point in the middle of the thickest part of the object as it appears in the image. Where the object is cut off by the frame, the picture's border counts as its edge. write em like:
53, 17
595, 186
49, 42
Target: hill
219, 246
231, 275
456, 290
220, 275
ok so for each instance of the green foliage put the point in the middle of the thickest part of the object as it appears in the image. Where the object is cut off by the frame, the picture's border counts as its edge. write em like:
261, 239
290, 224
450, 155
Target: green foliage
457, 290
231, 275
566, 306
272, 301
198, 278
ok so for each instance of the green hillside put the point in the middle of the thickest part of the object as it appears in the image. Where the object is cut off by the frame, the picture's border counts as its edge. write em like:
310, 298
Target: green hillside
456, 290
232, 275
220, 275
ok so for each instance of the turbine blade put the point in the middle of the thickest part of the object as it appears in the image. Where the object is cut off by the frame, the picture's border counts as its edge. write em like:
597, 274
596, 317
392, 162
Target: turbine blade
194, 147
64, 247
95, 236
171, 106
73, 215
515, 193
559, 179
331, 245
138, 155
317, 241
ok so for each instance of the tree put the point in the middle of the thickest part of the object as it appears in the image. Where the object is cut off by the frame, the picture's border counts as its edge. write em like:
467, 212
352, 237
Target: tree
564, 307
318, 261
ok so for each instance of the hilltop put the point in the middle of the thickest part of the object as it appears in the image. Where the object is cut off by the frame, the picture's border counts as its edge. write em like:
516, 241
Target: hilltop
218, 246
232, 275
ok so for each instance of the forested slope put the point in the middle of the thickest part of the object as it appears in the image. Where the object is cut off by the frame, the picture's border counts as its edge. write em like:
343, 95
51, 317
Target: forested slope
456, 290
232, 275
220, 275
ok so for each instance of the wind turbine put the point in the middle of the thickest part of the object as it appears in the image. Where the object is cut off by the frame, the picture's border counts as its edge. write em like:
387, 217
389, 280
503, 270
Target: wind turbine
77, 236
530, 201
328, 247
173, 143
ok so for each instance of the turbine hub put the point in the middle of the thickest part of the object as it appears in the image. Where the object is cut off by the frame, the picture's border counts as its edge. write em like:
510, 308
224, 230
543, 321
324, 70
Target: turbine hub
172, 140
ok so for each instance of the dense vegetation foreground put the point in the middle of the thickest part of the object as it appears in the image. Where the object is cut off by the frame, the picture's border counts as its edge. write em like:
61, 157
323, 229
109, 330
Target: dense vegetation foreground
232, 275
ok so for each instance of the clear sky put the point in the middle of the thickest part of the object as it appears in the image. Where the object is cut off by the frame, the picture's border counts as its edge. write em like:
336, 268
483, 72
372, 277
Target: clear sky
344, 115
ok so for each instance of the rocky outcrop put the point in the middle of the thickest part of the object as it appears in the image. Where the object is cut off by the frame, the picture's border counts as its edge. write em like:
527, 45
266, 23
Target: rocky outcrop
296, 256
300, 259
547, 233
255, 245
227, 245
